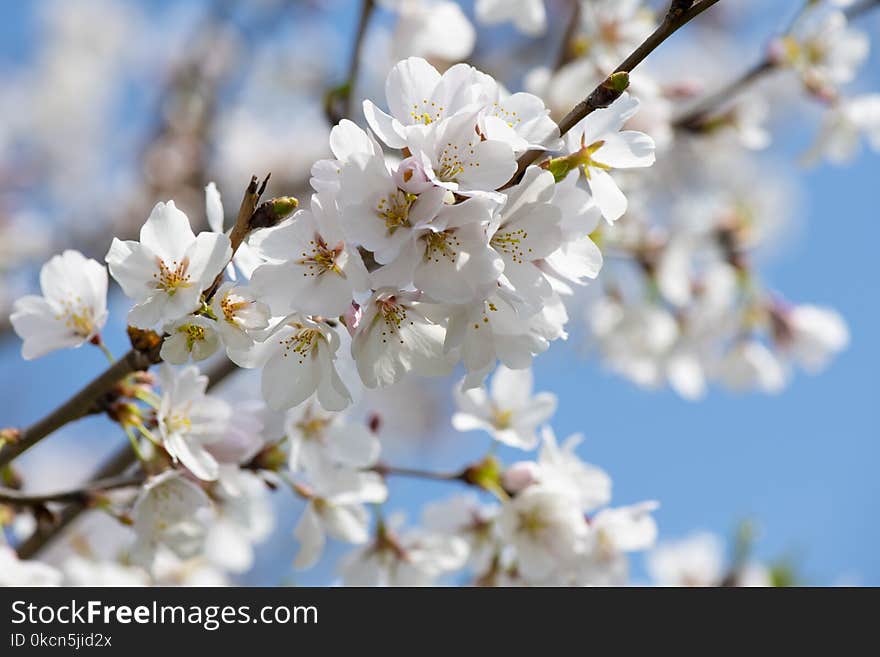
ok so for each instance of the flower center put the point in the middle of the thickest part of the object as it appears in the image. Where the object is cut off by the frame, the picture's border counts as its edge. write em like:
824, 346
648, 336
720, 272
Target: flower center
441, 245
230, 307
451, 162
172, 278
511, 243
79, 318
193, 333
302, 344
502, 419
584, 157
394, 209
510, 118
394, 316
319, 258
531, 522
425, 113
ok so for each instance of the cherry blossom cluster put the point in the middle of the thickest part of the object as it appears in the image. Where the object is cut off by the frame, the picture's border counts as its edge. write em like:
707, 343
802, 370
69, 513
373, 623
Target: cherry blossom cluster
549, 523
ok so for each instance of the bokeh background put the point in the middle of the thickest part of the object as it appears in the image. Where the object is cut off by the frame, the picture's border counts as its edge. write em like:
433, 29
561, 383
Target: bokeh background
107, 107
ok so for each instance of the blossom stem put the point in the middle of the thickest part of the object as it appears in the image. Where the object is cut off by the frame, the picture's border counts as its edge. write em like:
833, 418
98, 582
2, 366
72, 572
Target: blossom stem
81, 494
679, 14
109, 354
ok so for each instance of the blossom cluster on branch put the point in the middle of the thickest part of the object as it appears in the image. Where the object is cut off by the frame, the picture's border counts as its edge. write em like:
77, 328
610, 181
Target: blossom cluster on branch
453, 232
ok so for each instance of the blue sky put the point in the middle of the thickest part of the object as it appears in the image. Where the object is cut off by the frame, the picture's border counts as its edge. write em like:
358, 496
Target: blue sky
801, 464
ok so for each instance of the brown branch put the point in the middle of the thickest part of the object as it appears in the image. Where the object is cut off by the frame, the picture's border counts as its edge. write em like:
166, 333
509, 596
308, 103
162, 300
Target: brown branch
338, 102
81, 494
389, 470
694, 117
680, 13
566, 48
116, 465
78, 406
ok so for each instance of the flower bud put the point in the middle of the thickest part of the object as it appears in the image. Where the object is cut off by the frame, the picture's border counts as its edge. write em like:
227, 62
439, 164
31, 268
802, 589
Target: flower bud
520, 476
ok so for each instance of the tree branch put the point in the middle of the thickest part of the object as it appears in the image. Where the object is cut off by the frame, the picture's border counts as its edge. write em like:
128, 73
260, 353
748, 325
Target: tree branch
78, 406
16, 442
116, 465
81, 495
680, 13
697, 113
338, 103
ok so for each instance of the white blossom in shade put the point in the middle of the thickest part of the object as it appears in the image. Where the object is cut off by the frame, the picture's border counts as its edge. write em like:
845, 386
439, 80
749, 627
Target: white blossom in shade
612, 29
625, 528
697, 560
520, 119
811, 335
336, 508
578, 259
320, 441
843, 126
170, 570
299, 358
171, 512
546, 528
376, 213
529, 16
80, 571
397, 334
72, 309
409, 558
509, 411
635, 339
526, 230
192, 337
310, 268
450, 259
243, 518
436, 29
244, 435
166, 272
501, 328
462, 159
240, 315
245, 259
465, 517
16, 572
751, 365
560, 467
824, 50
419, 96
601, 146
189, 419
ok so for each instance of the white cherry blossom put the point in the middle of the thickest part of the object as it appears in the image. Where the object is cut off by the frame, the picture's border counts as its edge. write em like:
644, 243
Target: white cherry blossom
189, 419
166, 272
529, 16
71, 310
192, 337
508, 411
601, 146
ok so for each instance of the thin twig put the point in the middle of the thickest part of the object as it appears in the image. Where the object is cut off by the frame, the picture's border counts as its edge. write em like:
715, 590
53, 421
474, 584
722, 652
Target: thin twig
679, 14
80, 494
78, 406
339, 100
697, 113
566, 50
393, 470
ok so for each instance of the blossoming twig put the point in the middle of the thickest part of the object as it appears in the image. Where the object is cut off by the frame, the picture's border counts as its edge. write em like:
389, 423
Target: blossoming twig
78, 406
693, 117
79, 494
116, 465
679, 14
